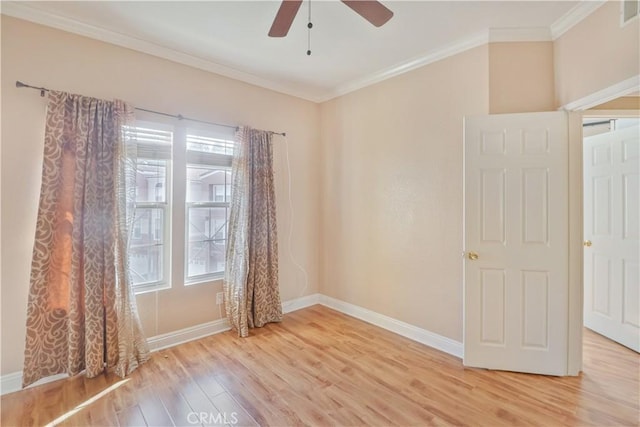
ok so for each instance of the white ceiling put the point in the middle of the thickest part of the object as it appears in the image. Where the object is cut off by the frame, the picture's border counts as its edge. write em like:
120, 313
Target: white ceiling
230, 37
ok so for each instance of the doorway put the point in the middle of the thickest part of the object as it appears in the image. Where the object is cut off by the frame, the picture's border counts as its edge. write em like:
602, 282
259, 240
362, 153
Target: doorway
611, 188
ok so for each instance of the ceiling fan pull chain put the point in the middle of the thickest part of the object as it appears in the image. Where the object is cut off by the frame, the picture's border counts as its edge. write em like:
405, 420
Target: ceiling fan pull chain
309, 27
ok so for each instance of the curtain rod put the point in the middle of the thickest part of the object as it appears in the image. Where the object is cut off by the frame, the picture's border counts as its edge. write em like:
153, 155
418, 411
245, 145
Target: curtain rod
175, 116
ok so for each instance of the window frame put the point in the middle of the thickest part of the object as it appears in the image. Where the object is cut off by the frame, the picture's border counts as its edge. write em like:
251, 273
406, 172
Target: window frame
164, 207
176, 208
217, 161
165, 272
207, 277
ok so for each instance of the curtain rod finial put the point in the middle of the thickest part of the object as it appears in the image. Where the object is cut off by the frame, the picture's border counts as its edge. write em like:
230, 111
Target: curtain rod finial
19, 84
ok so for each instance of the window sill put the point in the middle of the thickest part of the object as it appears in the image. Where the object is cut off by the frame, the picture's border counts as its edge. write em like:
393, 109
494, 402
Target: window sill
152, 287
204, 280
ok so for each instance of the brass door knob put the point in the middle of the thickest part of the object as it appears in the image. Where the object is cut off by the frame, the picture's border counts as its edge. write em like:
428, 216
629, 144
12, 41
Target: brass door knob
472, 256
587, 243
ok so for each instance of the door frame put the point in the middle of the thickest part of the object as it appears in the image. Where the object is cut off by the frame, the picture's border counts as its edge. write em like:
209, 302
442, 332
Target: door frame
577, 111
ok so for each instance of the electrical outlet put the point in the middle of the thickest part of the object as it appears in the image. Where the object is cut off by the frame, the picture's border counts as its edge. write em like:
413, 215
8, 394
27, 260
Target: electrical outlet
219, 298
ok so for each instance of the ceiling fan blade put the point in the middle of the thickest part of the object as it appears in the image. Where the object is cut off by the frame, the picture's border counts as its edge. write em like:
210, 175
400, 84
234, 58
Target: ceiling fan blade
373, 11
284, 18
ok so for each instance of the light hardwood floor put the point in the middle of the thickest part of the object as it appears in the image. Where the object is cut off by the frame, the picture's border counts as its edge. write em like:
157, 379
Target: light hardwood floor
322, 368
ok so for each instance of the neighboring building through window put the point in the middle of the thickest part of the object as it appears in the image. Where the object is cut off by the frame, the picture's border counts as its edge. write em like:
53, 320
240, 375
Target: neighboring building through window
219, 193
207, 205
149, 249
201, 194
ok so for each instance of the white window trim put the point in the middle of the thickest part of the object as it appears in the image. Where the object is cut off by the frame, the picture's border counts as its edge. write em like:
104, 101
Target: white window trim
166, 243
167, 212
165, 283
217, 161
175, 210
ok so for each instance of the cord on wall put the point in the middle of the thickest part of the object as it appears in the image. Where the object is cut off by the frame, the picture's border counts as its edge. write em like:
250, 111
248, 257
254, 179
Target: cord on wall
156, 313
293, 258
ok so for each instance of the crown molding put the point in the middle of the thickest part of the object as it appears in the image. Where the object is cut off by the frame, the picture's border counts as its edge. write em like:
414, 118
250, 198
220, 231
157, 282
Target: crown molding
574, 16
607, 94
537, 34
404, 67
28, 13
22, 10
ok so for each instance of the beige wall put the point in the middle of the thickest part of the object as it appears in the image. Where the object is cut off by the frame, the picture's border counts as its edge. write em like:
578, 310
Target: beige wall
595, 54
392, 163
44, 56
392, 192
377, 174
622, 103
521, 77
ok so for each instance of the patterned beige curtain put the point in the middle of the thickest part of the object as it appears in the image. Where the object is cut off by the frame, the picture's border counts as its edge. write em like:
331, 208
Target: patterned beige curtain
252, 296
81, 313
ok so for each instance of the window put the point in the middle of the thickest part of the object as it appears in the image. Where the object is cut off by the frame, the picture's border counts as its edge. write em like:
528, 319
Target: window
207, 205
200, 162
149, 251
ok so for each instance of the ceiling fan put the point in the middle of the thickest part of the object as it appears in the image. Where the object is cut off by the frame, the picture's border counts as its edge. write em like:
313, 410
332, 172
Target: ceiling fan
373, 11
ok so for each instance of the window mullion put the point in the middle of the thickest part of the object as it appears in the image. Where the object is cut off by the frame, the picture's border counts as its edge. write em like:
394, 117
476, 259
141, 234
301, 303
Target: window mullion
207, 204
178, 204
150, 205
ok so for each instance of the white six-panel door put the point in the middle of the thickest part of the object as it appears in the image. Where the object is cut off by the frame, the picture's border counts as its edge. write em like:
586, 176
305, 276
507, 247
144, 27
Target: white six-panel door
612, 235
516, 223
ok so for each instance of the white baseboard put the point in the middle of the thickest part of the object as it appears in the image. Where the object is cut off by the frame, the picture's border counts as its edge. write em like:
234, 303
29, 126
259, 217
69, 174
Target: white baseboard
181, 336
300, 303
13, 382
412, 332
170, 339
